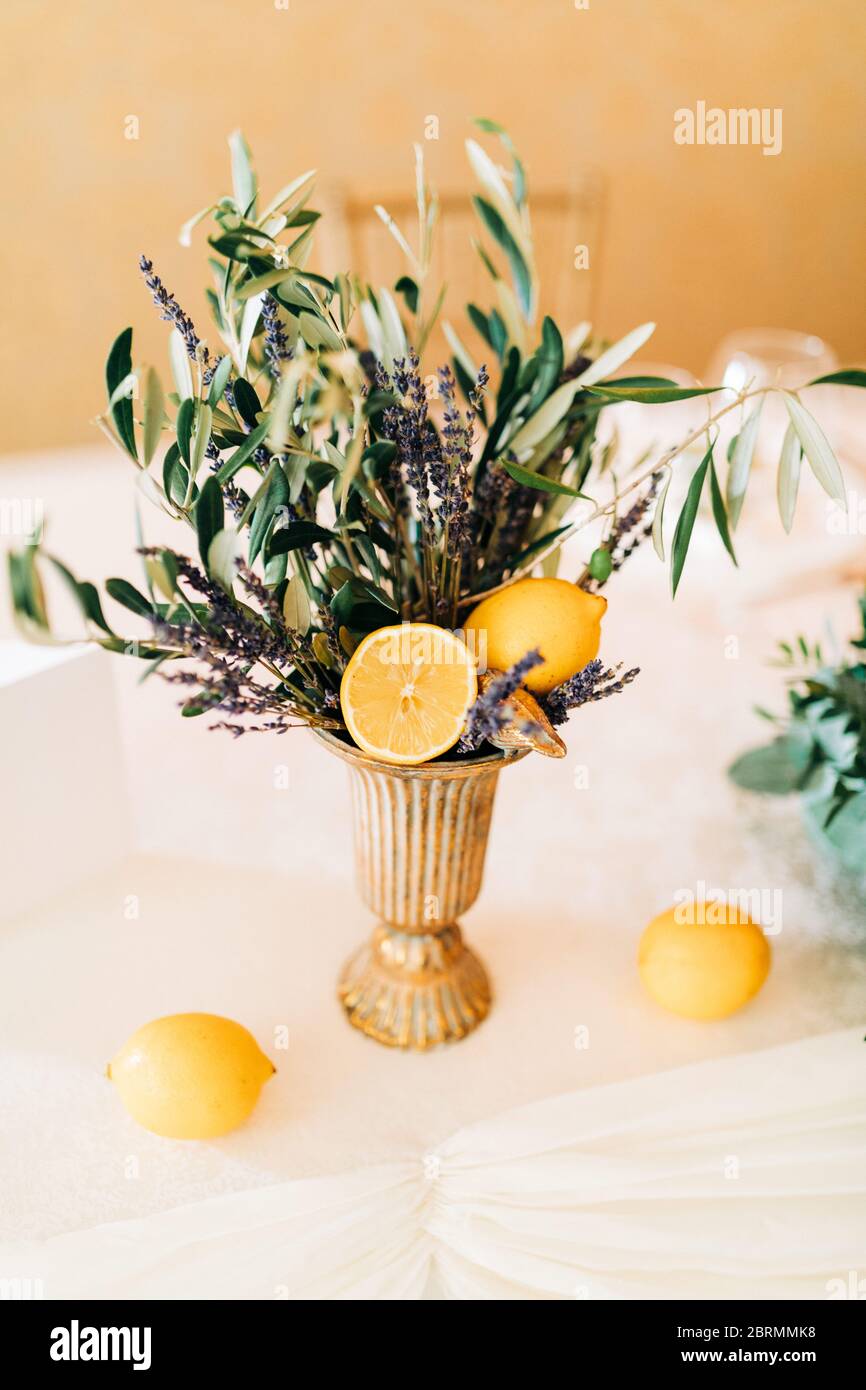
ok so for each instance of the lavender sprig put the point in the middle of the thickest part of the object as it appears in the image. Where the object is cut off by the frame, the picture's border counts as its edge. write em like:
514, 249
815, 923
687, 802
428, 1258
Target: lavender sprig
171, 311
627, 533
453, 484
594, 682
490, 713
277, 349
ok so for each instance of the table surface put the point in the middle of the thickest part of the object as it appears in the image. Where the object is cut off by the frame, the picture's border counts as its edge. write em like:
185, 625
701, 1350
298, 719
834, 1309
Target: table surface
237, 896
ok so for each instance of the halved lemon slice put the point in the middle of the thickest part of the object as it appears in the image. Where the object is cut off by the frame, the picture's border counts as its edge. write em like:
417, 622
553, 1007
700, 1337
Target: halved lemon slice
406, 691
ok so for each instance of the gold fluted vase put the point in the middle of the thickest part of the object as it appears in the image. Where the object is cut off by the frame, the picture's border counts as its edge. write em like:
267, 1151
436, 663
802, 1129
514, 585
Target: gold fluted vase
420, 838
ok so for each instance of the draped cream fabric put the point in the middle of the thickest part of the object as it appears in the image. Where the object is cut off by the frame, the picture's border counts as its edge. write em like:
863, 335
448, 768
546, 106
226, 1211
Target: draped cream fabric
744, 1177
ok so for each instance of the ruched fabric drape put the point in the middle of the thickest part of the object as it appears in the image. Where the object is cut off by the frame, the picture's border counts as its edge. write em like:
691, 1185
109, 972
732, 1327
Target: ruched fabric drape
744, 1177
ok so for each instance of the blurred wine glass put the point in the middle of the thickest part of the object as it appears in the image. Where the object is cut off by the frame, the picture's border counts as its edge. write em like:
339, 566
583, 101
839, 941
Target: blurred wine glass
756, 357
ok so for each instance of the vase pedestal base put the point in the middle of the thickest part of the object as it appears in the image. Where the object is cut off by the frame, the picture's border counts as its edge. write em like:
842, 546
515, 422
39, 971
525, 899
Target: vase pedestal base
415, 989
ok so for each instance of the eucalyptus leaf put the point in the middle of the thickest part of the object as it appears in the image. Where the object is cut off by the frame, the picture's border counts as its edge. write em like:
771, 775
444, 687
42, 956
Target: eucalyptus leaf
775, 770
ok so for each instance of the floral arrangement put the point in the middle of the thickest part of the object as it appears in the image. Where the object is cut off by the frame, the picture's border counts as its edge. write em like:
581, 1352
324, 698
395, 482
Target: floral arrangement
332, 488
819, 752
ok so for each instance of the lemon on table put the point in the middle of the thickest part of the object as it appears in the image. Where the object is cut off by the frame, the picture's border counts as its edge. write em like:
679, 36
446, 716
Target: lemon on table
561, 620
706, 966
406, 691
190, 1076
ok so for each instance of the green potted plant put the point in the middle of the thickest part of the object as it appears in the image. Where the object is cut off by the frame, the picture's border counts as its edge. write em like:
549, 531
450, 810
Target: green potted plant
819, 751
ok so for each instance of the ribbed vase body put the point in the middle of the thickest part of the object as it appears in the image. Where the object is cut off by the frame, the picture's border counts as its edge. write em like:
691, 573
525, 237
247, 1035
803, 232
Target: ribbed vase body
420, 838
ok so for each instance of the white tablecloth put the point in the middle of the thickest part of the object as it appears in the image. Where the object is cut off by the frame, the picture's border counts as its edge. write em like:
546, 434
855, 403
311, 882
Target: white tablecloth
236, 897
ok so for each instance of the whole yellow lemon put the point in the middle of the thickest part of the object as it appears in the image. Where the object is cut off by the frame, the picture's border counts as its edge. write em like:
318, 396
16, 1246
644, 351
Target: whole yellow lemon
190, 1076
561, 620
703, 960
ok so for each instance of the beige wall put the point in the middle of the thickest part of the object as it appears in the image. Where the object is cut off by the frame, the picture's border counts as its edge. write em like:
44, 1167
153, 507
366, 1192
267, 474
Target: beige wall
701, 239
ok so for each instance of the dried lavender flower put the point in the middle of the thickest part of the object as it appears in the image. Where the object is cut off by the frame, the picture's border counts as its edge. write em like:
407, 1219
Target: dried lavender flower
489, 714
171, 311
594, 682
277, 349
627, 533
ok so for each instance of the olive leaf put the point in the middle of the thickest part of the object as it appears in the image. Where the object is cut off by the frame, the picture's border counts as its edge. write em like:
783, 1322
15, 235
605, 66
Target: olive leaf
218, 381
538, 480
788, 477
686, 520
849, 376
180, 366
501, 234
614, 357
653, 394
819, 455
274, 495
296, 606
317, 333
125, 593
200, 439
720, 515
741, 464
209, 514
243, 177
223, 555
298, 535
244, 453
154, 413
775, 770
118, 368
659, 514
